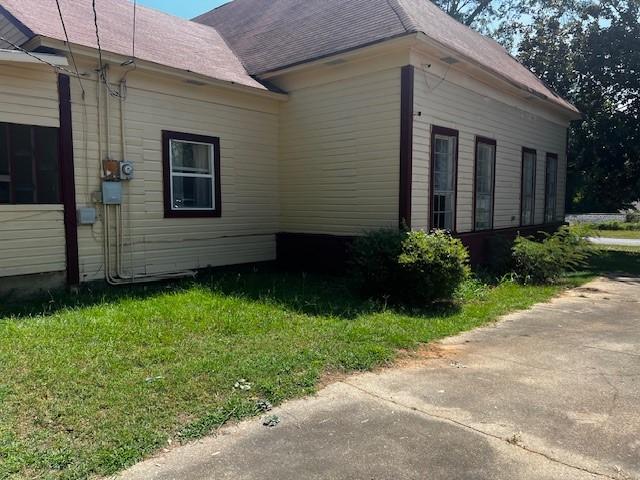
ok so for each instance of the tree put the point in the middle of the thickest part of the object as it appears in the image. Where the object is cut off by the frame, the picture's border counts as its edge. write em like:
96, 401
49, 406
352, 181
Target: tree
592, 57
496, 18
589, 52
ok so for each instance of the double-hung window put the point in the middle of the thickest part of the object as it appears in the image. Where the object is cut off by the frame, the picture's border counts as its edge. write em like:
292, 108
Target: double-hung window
191, 175
29, 169
485, 174
528, 201
551, 188
444, 159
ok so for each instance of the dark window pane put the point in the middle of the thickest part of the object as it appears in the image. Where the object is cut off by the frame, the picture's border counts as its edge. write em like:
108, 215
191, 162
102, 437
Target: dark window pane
47, 165
4, 150
188, 157
192, 192
23, 175
5, 192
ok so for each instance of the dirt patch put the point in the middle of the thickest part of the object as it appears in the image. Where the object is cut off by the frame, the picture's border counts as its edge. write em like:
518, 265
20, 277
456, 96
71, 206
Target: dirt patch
405, 359
332, 376
425, 353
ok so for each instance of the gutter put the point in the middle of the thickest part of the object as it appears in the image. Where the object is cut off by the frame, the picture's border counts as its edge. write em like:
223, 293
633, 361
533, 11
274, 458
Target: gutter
38, 58
187, 75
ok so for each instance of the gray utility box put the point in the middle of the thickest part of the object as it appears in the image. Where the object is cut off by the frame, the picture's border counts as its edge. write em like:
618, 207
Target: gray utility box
87, 216
112, 193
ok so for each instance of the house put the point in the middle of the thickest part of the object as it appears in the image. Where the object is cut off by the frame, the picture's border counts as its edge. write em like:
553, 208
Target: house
148, 146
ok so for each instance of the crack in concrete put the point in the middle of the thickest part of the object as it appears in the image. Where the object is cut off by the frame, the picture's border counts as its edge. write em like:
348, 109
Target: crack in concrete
481, 432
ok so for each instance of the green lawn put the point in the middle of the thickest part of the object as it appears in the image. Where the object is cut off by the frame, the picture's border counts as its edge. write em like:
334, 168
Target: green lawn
633, 234
616, 259
92, 383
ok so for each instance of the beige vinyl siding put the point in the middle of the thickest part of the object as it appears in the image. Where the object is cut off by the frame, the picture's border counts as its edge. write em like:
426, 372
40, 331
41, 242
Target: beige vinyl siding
9, 31
340, 144
31, 239
248, 131
478, 111
31, 236
29, 94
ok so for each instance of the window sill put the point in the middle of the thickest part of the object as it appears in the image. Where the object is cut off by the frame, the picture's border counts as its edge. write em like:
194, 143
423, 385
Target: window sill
192, 214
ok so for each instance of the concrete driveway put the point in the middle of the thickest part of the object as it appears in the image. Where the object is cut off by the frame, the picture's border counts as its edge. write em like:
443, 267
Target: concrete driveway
621, 242
551, 393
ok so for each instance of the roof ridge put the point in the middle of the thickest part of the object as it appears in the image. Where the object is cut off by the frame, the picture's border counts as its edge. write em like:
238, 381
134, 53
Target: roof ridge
405, 18
224, 39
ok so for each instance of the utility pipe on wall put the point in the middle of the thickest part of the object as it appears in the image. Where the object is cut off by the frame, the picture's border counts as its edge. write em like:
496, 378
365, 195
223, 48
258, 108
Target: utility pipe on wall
120, 277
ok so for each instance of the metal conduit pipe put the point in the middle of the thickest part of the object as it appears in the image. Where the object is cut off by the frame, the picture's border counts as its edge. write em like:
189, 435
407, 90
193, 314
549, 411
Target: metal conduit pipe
120, 277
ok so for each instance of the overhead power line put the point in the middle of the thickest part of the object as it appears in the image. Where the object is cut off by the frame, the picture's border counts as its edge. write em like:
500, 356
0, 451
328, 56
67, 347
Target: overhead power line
73, 58
95, 22
135, 10
111, 91
42, 60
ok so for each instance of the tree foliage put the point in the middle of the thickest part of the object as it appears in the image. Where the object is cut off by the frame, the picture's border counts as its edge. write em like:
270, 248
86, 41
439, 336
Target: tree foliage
590, 54
497, 18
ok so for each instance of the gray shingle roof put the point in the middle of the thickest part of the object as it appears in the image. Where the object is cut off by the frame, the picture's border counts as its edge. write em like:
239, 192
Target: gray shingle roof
270, 35
160, 38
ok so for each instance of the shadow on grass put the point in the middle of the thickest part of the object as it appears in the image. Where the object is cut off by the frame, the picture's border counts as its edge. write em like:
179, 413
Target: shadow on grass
609, 261
307, 293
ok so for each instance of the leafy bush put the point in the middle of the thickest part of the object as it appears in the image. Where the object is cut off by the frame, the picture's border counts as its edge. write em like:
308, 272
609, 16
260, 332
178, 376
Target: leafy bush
410, 267
633, 216
432, 266
499, 260
547, 260
374, 260
618, 226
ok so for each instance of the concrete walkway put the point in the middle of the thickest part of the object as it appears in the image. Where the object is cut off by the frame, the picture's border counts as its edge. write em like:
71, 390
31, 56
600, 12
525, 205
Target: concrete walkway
623, 242
551, 393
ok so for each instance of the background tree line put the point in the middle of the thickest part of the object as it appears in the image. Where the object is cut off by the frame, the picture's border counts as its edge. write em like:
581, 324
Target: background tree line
589, 52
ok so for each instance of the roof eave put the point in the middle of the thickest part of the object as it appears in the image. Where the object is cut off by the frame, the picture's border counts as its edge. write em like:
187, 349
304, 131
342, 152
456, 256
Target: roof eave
47, 42
569, 110
16, 23
37, 58
406, 39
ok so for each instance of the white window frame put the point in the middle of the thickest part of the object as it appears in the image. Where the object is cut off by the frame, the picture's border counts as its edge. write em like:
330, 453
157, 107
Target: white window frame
451, 136
491, 195
171, 138
210, 176
532, 155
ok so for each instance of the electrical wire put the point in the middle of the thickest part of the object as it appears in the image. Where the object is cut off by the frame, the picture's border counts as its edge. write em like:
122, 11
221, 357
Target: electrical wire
133, 47
95, 22
42, 60
441, 79
111, 91
73, 58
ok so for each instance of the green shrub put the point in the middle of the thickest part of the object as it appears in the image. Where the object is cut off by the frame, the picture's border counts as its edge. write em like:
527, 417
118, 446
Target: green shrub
374, 260
410, 267
633, 216
618, 226
547, 260
432, 266
499, 260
